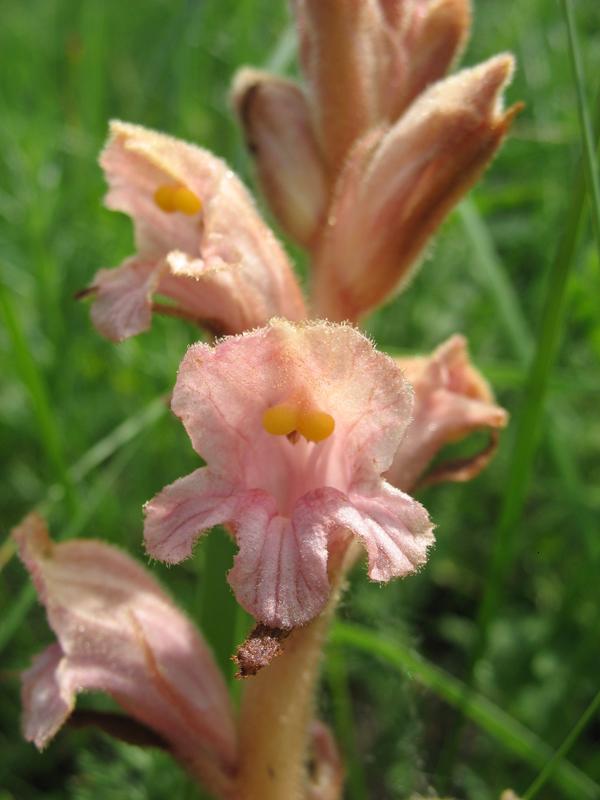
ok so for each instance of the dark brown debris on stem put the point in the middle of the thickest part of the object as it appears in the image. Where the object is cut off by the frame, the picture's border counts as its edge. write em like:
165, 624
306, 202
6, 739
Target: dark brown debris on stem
260, 648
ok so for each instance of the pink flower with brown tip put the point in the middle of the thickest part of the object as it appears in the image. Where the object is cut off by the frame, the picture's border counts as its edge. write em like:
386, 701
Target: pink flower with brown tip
399, 184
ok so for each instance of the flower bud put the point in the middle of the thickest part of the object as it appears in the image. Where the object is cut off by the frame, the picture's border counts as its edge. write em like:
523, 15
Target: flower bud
279, 133
399, 185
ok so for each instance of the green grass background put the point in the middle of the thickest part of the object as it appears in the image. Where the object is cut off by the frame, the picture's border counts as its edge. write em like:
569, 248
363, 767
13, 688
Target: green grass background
509, 601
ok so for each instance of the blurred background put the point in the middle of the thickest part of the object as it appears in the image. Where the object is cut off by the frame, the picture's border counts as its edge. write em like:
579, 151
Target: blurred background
508, 604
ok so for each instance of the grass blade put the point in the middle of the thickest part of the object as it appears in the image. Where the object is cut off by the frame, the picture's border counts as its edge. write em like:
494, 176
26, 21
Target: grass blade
504, 729
343, 719
106, 447
589, 153
527, 431
531, 412
17, 611
549, 769
36, 387
494, 275
124, 433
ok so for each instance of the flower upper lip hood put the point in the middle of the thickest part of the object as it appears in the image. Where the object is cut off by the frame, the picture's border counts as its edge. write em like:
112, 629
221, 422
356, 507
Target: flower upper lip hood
290, 497
200, 241
120, 633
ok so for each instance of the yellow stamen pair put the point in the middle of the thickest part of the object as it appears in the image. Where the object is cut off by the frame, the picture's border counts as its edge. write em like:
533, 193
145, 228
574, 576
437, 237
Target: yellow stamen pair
172, 197
285, 419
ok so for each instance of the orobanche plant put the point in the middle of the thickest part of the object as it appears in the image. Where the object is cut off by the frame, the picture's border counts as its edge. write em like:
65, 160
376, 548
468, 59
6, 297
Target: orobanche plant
312, 440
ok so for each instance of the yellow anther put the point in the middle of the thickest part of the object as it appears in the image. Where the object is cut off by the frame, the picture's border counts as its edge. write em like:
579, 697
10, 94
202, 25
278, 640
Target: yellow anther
172, 197
164, 197
186, 201
280, 420
315, 425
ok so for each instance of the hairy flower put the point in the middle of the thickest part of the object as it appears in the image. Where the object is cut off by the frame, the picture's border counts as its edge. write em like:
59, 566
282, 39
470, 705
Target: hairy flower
364, 62
200, 242
296, 423
118, 632
452, 400
399, 184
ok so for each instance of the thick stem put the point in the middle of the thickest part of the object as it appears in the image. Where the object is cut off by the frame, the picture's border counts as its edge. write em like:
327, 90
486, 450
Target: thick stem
278, 708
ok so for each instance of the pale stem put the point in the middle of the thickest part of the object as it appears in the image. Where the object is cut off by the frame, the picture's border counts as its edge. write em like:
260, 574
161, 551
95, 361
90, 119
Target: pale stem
278, 707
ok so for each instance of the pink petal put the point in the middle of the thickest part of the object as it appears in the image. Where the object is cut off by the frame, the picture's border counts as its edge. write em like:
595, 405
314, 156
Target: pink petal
123, 299
120, 633
48, 696
395, 530
235, 236
136, 162
177, 516
290, 502
280, 572
278, 126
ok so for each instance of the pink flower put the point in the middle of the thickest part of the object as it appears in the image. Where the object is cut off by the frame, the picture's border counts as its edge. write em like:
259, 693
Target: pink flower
452, 400
296, 424
118, 632
398, 185
200, 242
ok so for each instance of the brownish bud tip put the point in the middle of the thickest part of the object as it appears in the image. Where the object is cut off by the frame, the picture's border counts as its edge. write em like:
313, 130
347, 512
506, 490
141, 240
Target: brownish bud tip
260, 648
88, 291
